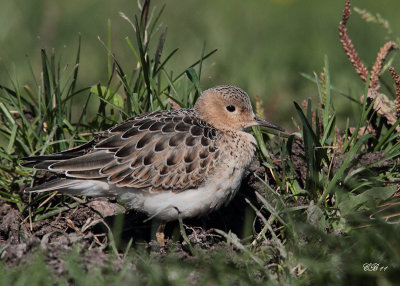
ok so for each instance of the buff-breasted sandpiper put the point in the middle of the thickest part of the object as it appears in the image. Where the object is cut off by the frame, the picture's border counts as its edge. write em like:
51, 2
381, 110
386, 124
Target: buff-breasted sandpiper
169, 164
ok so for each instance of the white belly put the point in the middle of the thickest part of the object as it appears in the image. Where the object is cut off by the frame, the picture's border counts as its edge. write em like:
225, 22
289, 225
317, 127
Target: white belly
167, 205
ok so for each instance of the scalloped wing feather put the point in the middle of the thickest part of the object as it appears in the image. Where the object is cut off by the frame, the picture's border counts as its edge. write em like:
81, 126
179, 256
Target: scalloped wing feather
164, 150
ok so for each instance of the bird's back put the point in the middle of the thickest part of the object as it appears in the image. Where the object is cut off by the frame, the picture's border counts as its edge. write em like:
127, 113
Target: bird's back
163, 150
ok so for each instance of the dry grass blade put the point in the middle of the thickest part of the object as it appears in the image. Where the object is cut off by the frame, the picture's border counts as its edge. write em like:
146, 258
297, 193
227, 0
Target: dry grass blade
348, 44
122, 14
145, 13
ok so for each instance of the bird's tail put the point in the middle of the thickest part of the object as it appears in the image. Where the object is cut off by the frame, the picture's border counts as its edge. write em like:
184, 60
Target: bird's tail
45, 161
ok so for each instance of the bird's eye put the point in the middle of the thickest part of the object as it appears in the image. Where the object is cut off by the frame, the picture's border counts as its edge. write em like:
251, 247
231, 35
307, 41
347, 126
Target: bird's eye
230, 108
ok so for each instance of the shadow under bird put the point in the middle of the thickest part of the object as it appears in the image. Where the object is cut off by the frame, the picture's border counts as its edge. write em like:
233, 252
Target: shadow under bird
169, 164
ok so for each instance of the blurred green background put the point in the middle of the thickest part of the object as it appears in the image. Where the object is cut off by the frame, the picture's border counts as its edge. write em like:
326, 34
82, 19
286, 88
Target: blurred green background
263, 45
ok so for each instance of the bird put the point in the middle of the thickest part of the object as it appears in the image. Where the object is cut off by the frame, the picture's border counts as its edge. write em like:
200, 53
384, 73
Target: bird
168, 164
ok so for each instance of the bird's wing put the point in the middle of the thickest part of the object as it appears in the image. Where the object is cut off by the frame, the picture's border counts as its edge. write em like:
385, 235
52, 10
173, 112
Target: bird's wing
165, 150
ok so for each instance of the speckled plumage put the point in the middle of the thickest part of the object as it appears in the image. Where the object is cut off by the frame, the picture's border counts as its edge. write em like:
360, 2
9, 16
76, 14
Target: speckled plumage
169, 163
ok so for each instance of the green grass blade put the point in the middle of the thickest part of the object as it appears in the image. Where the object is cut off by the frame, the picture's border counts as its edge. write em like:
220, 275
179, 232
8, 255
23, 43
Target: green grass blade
12, 139
339, 175
384, 140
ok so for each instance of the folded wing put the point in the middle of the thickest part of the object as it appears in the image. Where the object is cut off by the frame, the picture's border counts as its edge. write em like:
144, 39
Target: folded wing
164, 150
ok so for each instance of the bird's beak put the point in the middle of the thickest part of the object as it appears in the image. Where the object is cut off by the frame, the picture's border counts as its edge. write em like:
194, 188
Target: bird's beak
262, 122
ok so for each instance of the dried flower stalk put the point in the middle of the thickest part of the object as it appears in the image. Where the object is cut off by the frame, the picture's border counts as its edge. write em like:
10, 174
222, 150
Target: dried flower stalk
348, 44
396, 79
173, 104
355, 60
259, 106
378, 65
383, 106
377, 19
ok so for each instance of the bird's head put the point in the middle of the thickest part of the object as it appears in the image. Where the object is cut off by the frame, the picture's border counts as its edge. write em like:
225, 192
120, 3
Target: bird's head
229, 107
